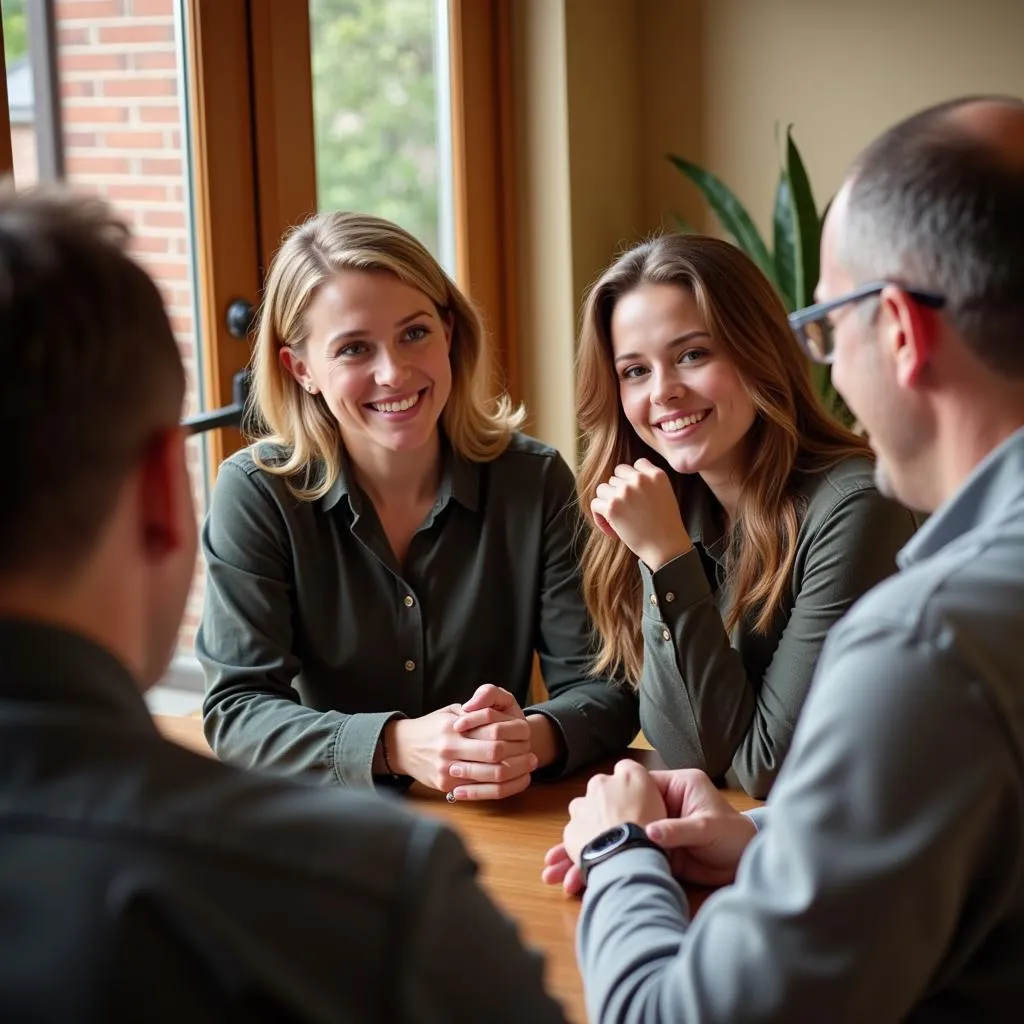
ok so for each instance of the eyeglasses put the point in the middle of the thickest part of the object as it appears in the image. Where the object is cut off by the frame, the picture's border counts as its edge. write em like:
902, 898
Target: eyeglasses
815, 332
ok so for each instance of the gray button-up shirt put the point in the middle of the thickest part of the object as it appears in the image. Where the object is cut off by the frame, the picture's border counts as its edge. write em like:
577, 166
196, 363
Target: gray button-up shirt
312, 637
887, 881
715, 702
140, 881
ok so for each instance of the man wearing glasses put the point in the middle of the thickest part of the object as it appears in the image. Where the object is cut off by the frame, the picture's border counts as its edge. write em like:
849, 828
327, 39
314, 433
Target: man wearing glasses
887, 879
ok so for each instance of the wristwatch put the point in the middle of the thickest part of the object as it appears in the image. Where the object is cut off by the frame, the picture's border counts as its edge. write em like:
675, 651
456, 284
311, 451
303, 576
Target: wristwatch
612, 841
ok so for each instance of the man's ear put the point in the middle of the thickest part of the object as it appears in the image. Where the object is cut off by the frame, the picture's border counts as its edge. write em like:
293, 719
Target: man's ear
164, 508
908, 333
296, 366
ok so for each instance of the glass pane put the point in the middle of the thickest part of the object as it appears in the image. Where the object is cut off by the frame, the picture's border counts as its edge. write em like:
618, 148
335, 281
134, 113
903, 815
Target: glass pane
380, 106
121, 123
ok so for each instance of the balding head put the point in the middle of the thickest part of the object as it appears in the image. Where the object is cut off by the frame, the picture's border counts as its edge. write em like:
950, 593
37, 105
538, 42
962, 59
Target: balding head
937, 202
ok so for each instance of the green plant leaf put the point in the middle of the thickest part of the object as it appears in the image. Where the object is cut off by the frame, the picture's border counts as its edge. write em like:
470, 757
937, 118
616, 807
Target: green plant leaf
806, 224
683, 226
783, 251
730, 212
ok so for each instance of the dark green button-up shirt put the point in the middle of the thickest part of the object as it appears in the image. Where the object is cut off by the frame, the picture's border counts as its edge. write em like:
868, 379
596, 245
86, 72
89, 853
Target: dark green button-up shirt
711, 701
313, 637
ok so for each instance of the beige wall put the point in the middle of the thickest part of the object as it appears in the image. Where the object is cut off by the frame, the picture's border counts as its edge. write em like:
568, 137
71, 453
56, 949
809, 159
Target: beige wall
839, 71
607, 87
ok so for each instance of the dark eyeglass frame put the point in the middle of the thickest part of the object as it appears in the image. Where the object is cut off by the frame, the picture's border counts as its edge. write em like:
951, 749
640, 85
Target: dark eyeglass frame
802, 318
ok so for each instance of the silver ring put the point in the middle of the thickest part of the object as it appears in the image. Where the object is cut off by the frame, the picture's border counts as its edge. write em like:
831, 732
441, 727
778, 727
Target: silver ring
450, 797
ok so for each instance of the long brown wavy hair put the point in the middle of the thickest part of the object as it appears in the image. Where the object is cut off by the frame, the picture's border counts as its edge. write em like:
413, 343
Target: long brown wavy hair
792, 435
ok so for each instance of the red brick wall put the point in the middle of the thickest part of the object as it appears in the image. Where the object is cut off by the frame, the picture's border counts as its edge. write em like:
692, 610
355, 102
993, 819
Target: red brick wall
119, 73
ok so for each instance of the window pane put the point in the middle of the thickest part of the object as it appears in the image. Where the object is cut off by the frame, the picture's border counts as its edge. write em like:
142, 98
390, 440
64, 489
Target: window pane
123, 131
380, 105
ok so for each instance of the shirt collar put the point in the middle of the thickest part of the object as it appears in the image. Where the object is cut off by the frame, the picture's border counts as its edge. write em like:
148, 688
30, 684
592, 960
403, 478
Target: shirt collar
460, 479
42, 664
989, 494
702, 517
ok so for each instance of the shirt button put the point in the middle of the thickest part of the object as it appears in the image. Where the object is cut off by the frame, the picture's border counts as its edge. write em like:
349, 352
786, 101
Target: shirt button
410, 666
654, 598
666, 635
408, 600
670, 597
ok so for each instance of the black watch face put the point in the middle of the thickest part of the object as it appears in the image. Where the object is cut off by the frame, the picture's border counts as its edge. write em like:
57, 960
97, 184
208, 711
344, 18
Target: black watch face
607, 840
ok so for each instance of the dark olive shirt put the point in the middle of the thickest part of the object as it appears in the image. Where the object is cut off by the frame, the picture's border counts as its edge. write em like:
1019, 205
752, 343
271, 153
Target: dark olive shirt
142, 882
714, 702
313, 637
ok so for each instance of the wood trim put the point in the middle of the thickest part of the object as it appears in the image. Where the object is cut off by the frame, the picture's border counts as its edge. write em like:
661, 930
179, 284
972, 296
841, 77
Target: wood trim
223, 193
6, 154
484, 172
283, 119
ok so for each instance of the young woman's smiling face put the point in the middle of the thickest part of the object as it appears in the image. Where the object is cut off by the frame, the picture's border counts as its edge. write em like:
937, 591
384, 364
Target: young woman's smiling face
377, 350
678, 389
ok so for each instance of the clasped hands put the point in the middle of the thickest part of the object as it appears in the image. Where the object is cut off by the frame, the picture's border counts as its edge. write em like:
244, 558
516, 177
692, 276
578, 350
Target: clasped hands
682, 811
482, 749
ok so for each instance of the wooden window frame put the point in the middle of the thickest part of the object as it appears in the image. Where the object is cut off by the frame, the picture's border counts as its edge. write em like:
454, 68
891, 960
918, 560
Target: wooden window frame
486, 241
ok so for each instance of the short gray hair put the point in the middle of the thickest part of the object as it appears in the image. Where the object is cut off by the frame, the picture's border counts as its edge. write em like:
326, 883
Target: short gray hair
935, 207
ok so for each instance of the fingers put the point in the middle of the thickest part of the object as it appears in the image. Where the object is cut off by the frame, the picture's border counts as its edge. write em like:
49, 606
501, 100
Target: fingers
601, 523
556, 854
491, 724
672, 833
492, 790
490, 696
572, 884
504, 771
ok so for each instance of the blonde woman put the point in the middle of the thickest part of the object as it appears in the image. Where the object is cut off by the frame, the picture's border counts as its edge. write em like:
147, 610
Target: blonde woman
754, 516
387, 557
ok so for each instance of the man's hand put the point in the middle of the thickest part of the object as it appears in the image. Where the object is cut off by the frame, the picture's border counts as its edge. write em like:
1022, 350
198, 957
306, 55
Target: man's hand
628, 794
703, 835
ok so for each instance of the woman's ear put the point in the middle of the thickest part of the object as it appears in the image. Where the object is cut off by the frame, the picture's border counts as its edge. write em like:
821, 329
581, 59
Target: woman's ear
295, 365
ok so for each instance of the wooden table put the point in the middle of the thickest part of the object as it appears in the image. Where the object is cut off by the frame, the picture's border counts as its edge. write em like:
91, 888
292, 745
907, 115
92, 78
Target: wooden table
508, 839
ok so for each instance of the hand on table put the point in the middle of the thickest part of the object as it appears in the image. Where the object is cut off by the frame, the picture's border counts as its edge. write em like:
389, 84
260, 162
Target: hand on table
481, 755
637, 505
628, 794
704, 835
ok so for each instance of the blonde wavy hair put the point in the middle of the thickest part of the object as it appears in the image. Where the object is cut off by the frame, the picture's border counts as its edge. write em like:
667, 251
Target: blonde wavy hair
281, 412
792, 436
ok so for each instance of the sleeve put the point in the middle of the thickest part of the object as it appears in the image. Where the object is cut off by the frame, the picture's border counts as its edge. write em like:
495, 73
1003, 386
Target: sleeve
888, 835
596, 717
482, 972
698, 707
252, 716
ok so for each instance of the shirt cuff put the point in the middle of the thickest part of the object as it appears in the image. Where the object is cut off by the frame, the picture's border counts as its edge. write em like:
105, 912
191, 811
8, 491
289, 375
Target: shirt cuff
355, 747
636, 866
560, 765
675, 587
759, 817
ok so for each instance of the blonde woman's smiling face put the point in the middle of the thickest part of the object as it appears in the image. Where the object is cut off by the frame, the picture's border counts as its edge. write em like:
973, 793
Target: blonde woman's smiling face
378, 351
678, 389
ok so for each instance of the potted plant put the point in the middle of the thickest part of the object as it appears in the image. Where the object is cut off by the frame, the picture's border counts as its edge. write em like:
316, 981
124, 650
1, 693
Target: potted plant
792, 262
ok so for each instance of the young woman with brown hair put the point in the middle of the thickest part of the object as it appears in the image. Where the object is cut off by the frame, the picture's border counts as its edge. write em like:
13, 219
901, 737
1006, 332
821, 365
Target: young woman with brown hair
754, 515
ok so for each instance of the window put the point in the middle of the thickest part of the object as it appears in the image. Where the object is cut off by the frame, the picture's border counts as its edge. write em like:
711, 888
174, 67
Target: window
381, 107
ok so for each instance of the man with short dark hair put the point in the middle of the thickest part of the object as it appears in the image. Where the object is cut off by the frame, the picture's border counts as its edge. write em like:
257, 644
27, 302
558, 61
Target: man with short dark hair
886, 881
139, 881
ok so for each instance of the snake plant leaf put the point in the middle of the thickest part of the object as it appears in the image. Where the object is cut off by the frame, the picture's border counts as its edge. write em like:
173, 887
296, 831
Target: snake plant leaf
730, 212
806, 224
783, 244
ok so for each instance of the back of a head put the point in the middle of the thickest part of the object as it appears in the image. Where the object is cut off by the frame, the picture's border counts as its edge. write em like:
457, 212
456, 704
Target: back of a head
92, 372
937, 203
